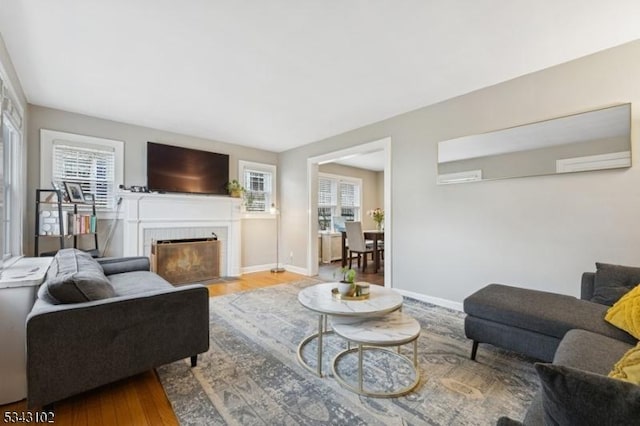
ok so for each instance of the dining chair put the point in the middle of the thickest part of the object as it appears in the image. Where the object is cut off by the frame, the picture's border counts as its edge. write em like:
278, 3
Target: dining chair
357, 245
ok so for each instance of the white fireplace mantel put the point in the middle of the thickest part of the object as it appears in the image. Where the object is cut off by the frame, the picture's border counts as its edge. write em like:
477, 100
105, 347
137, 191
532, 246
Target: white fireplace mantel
150, 211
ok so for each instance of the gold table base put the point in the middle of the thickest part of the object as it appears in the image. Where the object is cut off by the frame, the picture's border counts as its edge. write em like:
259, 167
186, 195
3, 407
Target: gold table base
322, 331
360, 388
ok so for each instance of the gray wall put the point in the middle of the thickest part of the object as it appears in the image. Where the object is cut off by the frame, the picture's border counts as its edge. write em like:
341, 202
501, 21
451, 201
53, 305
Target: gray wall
371, 189
135, 138
537, 232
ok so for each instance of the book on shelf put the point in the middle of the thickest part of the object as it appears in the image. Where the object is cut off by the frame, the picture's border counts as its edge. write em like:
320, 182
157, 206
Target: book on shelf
81, 223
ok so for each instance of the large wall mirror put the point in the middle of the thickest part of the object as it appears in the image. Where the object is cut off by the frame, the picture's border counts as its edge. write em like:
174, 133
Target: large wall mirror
593, 140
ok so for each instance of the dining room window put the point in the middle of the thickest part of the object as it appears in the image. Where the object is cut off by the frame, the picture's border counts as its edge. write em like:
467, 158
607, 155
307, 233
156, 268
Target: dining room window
338, 197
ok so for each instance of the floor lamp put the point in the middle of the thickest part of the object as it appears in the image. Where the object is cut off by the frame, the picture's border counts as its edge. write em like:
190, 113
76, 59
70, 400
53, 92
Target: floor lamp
275, 211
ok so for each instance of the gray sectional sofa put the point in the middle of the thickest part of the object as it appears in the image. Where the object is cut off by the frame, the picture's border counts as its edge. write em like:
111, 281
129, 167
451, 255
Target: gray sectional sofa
96, 321
579, 347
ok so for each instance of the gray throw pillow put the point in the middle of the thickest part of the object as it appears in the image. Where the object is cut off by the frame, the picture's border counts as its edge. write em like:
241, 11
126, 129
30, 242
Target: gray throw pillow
577, 397
81, 286
74, 277
613, 281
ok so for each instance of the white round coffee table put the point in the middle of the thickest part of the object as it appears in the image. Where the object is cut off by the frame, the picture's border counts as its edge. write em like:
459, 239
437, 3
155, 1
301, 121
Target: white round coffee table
318, 298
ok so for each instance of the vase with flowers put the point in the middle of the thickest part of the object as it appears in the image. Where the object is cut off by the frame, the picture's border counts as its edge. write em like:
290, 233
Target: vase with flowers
377, 215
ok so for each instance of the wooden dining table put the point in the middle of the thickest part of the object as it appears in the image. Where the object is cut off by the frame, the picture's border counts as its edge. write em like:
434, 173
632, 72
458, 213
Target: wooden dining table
373, 235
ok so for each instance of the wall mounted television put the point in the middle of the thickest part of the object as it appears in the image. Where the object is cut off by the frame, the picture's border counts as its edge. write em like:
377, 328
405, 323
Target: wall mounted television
177, 169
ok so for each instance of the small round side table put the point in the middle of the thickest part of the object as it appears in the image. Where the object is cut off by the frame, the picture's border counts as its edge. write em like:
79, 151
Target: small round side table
394, 329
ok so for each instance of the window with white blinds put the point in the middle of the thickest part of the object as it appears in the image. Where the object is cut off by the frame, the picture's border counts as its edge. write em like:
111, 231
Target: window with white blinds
327, 194
350, 201
259, 185
93, 167
327, 202
337, 196
97, 164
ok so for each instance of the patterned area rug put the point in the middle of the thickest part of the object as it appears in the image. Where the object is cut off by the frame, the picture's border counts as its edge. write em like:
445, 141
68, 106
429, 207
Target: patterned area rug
251, 375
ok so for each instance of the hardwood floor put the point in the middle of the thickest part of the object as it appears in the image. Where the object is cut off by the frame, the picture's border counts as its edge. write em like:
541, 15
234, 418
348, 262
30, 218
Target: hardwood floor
140, 400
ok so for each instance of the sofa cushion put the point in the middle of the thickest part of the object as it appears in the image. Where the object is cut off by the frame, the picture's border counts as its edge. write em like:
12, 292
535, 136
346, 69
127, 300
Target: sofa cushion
74, 277
119, 265
613, 281
628, 367
589, 351
137, 282
571, 396
625, 313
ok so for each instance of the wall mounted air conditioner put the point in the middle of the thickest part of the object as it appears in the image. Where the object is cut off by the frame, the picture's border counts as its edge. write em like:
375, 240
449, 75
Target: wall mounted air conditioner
458, 177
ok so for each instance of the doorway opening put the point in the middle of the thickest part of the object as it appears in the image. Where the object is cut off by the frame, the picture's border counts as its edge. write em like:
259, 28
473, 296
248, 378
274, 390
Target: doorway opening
379, 148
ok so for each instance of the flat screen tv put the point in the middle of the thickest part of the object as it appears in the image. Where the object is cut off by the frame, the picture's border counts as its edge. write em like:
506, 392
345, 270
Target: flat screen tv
177, 169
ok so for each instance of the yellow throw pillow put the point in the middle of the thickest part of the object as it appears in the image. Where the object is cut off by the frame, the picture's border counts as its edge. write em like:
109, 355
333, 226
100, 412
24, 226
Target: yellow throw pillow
628, 368
625, 313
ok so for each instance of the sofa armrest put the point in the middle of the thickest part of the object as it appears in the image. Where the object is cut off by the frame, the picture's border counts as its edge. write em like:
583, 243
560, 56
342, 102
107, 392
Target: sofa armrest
587, 286
117, 265
76, 347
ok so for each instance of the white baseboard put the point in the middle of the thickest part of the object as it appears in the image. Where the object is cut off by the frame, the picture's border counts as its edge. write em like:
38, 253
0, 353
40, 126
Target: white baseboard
257, 268
269, 266
457, 306
297, 270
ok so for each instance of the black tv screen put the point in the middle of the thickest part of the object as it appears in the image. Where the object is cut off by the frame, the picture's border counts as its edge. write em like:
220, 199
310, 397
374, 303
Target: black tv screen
177, 169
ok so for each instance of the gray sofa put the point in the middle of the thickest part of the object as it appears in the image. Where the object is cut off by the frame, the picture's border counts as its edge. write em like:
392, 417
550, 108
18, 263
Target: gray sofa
96, 321
570, 334
575, 389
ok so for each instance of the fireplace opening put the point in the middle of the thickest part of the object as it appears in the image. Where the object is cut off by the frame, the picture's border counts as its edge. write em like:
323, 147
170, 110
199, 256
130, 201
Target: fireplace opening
186, 261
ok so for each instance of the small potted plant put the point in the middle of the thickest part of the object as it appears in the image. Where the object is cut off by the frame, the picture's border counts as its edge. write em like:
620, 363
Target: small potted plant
235, 188
347, 285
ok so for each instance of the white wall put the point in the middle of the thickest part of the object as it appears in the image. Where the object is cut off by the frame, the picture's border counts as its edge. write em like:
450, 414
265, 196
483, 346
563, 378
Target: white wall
7, 67
136, 138
537, 232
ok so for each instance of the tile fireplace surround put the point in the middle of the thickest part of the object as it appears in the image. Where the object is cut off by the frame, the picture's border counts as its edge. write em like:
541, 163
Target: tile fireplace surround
148, 217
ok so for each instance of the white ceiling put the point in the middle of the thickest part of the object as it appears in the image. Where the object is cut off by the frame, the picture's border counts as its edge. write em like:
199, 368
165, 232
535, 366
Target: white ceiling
283, 73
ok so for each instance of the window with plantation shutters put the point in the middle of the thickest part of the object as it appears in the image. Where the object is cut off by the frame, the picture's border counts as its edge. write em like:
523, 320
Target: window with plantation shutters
349, 201
93, 167
327, 202
259, 185
338, 196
